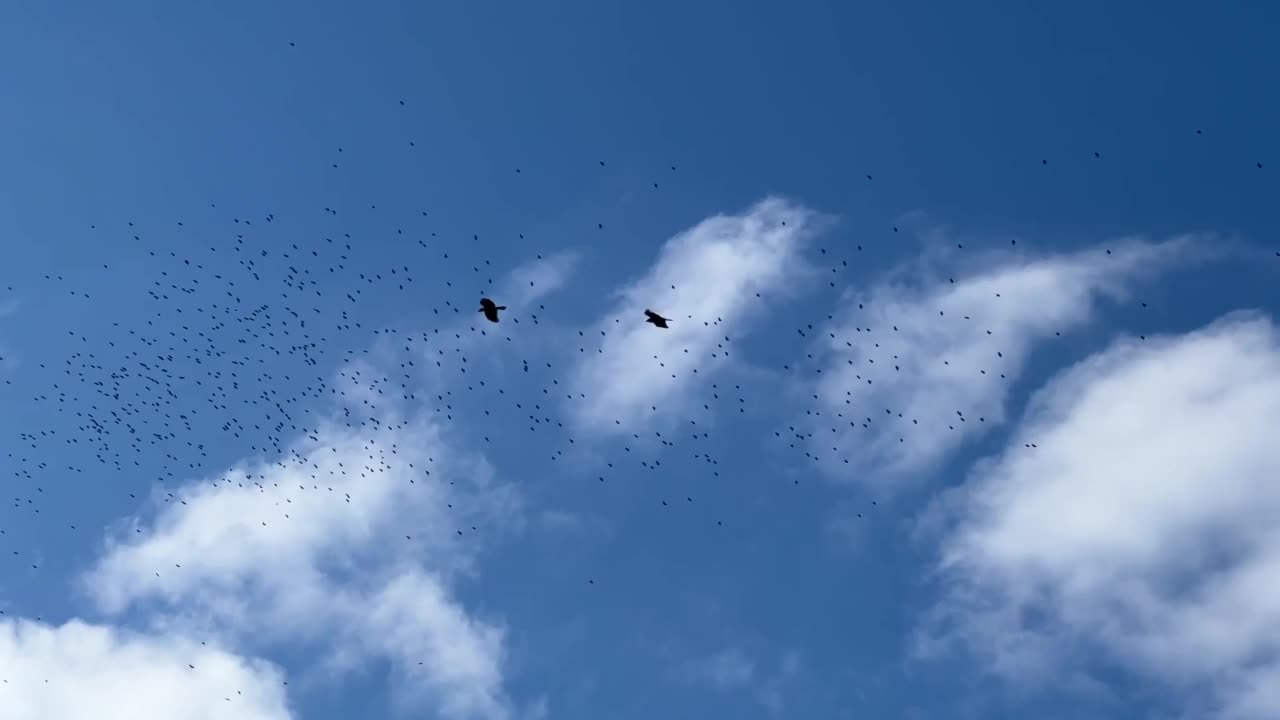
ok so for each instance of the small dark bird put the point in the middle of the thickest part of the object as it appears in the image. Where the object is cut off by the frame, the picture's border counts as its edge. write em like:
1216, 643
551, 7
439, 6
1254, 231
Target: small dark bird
656, 319
490, 310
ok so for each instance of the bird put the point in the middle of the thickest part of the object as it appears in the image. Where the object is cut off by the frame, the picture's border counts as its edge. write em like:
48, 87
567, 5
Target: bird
656, 319
490, 310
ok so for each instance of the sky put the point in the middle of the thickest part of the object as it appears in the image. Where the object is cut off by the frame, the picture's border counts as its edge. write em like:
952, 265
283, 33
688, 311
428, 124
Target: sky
966, 408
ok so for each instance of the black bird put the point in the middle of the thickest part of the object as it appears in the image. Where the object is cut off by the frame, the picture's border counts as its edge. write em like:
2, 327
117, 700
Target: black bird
490, 310
656, 319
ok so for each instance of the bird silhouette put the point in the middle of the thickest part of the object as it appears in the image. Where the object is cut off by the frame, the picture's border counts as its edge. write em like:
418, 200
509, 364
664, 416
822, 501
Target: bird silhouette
490, 310
656, 319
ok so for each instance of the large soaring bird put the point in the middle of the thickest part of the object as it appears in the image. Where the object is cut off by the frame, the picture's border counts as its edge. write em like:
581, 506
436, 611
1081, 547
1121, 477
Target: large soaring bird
656, 319
490, 310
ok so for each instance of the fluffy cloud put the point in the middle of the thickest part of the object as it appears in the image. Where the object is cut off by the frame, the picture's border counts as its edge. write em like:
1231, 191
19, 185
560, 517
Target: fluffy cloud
1136, 513
349, 540
438, 645
86, 672
706, 279
910, 371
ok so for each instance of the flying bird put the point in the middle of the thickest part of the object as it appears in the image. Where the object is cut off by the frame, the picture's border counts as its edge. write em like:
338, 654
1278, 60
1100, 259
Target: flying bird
490, 310
656, 319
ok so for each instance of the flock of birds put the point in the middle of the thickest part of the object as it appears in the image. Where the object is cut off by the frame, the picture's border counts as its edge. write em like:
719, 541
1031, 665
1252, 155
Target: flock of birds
227, 355
232, 357
211, 358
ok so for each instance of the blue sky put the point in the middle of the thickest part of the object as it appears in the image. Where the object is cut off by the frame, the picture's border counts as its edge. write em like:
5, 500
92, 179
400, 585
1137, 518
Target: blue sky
965, 410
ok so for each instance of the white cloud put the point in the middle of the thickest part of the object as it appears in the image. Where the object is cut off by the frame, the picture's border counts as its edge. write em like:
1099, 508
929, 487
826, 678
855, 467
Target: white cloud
348, 542
438, 644
85, 672
535, 279
706, 280
729, 669
910, 371
733, 670
8, 359
1144, 524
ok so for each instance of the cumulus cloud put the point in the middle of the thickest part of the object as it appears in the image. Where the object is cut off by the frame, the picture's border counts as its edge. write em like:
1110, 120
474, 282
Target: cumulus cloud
1135, 513
706, 280
438, 645
78, 671
347, 540
909, 371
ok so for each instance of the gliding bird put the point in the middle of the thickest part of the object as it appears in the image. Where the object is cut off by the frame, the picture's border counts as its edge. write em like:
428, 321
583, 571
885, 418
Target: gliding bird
656, 319
490, 310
